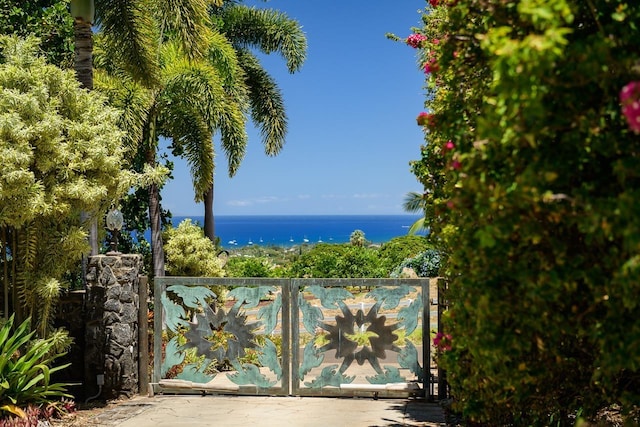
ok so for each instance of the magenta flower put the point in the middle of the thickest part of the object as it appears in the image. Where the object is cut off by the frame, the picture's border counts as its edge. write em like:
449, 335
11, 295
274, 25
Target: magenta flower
442, 341
456, 165
425, 119
630, 99
415, 40
434, 3
449, 145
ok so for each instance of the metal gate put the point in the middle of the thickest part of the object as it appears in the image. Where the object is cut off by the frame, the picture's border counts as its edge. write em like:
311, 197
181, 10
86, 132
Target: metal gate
302, 337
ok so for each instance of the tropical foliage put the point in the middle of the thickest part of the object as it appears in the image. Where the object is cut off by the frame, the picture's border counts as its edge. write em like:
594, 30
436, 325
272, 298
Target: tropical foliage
62, 154
49, 20
352, 261
190, 253
249, 29
26, 365
426, 264
530, 171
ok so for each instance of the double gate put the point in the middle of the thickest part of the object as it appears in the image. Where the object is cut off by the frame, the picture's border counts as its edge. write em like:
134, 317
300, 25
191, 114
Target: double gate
302, 337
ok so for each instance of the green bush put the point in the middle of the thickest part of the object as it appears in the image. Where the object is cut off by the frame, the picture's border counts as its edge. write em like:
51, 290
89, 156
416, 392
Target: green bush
25, 369
531, 178
396, 250
189, 253
427, 264
338, 261
248, 267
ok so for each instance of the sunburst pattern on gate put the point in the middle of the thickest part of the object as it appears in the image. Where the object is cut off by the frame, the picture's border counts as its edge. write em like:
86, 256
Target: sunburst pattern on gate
212, 336
360, 335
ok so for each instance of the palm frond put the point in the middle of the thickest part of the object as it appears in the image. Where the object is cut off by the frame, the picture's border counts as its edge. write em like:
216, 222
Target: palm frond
267, 105
267, 30
222, 55
130, 36
187, 20
419, 225
414, 202
133, 100
190, 121
233, 135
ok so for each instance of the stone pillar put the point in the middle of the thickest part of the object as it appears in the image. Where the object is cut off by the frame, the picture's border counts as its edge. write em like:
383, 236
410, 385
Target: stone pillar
112, 325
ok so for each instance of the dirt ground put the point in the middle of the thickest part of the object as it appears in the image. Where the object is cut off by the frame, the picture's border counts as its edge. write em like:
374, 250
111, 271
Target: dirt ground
84, 414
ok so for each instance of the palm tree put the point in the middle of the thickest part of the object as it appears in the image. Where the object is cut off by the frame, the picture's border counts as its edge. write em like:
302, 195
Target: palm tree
267, 31
357, 238
131, 32
414, 203
189, 121
125, 25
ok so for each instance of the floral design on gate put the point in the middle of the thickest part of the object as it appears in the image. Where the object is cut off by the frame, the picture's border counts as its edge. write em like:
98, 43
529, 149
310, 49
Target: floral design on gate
381, 335
212, 335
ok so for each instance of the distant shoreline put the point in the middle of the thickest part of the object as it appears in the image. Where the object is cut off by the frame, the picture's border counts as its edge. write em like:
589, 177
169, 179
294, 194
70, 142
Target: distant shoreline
237, 231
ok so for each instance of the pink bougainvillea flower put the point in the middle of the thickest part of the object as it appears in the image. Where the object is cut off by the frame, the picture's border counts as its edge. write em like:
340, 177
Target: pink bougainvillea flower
415, 40
431, 66
425, 119
456, 165
630, 99
449, 145
442, 341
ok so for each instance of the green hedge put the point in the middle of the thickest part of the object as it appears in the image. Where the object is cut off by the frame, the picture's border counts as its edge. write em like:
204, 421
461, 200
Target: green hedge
532, 176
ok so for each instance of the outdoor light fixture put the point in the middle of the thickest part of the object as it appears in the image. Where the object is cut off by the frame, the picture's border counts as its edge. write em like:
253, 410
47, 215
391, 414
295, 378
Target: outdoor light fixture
114, 222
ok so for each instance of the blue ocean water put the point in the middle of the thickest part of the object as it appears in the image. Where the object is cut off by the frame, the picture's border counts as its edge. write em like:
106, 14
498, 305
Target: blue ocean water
290, 230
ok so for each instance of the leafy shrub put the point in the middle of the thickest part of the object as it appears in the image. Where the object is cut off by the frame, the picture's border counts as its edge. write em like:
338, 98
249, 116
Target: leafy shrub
427, 264
25, 369
190, 253
248, 267
396, 250
338, 261
531, 185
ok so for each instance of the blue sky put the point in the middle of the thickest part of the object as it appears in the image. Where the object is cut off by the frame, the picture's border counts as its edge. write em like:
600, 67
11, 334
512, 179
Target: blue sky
351, 110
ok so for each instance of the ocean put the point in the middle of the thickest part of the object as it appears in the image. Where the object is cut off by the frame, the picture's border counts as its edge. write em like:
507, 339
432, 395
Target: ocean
291, 230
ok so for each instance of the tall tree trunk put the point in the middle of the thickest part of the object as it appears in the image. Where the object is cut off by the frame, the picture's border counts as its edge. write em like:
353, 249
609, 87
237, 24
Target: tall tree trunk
209, 225
84, 52
155, 220
84, 73
157, 251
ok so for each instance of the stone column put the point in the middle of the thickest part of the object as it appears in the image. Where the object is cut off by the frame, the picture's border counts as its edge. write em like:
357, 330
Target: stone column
112, 325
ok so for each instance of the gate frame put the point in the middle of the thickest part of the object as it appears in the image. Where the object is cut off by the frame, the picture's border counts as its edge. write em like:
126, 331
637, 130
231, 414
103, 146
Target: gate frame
290, 316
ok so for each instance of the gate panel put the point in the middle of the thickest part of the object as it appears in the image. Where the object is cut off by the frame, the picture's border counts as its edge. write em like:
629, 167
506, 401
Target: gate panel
360, 337
305, 337
239, 347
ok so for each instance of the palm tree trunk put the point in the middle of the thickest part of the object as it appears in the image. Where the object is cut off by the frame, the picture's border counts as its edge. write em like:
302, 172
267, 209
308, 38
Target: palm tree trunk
209, 225
84, 52
84, 73
157, 251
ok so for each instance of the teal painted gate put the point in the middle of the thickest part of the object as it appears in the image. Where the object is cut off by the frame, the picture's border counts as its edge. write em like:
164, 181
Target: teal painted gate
302, 337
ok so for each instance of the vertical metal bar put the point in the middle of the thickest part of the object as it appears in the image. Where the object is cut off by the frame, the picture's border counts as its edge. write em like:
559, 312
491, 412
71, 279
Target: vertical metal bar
442, 382
143, 335
295, 341
286, 336
158, 312
426, 340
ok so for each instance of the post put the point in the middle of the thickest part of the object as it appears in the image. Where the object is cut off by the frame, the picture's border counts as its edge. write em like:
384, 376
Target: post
111, 356
143, 336
442, 374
